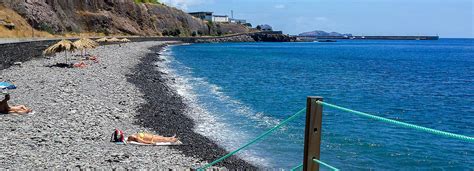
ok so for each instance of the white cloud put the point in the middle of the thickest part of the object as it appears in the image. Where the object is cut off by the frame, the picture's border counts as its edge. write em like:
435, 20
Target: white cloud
183, 4
320, 18
280, 6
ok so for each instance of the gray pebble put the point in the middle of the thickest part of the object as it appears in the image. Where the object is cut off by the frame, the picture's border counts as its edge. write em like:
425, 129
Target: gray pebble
70, 127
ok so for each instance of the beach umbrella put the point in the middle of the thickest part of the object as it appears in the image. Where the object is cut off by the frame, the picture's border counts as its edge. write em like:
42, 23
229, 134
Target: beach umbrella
7, 86
63, 45
125, 40
103, 39
114, 39
85, 43
4, 86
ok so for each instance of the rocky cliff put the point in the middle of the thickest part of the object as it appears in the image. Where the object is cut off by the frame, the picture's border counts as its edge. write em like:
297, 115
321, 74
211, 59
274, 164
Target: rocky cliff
114, 17
19, 27
272, 37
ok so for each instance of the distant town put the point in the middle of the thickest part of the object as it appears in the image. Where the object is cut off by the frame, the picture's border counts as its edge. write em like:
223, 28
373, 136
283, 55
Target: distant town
211, 17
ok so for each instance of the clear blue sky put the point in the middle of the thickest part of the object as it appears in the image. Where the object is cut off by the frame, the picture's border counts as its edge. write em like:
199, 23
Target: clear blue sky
447, 18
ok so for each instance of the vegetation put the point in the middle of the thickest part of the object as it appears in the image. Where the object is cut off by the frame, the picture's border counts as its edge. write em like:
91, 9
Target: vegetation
175, 32
47, 28
219, 31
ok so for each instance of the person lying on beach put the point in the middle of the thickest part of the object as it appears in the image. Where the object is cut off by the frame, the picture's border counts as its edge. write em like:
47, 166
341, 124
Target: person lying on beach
93, 59
6, 109
147, 138
144, 138
80, 65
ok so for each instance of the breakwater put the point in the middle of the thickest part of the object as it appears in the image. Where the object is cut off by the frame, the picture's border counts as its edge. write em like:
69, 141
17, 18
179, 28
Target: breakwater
240, 37
302, 38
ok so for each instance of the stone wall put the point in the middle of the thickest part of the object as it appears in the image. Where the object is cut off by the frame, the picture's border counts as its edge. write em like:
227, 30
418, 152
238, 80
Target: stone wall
21, 52
239, 38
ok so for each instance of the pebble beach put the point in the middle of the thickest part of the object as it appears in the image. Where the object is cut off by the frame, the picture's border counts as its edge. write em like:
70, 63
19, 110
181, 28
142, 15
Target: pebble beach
77, 109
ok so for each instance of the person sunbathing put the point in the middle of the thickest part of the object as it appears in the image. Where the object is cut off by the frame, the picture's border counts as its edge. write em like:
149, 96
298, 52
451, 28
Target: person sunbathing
144, 138
80, 65
147, 138
6, 109
92, 58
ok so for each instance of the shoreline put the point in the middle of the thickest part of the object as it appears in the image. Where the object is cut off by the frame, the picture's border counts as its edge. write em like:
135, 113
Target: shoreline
164, 112
76, 110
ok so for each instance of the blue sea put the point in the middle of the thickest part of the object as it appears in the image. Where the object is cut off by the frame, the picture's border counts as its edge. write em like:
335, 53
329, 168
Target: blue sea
237, 91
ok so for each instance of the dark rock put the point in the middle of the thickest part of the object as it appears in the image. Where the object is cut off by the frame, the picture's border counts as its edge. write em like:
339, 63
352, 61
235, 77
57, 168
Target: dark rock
270, 37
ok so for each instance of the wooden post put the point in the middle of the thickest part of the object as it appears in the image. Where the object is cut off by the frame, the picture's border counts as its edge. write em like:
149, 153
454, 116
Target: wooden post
312, 136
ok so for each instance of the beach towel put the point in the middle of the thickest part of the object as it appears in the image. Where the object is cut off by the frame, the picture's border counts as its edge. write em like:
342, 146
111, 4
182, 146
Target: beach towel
156, 144
5, 85
17, 114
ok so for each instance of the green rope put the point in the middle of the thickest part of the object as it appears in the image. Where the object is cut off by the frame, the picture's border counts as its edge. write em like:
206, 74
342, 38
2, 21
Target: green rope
317, 161
255, 140
324, 164
403, 124
297, 167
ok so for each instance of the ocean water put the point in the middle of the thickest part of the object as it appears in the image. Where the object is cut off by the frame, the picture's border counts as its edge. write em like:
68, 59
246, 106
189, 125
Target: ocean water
239, 90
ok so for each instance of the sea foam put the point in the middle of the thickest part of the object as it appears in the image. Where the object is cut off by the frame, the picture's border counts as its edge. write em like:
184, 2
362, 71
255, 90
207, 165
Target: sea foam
211, 124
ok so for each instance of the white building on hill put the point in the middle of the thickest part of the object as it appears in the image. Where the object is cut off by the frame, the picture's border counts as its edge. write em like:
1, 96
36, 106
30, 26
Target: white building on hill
202, 15
220, 18
208, 16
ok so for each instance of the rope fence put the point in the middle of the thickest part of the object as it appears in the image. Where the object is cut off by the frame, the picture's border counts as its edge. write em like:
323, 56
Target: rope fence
403, 124
298, 168
325, 164
294, 116
315, 160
